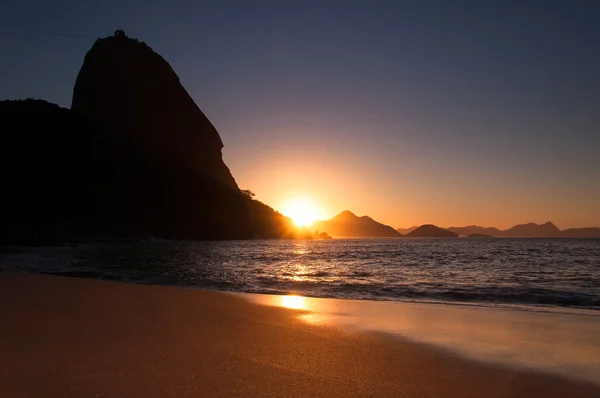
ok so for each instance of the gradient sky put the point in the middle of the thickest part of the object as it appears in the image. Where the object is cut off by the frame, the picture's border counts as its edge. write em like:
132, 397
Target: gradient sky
445, 112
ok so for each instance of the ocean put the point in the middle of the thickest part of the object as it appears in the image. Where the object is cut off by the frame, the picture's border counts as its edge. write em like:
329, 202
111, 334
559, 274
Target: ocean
533, 273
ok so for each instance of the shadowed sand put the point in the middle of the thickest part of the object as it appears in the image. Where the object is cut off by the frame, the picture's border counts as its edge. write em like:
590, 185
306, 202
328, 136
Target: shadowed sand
63, 337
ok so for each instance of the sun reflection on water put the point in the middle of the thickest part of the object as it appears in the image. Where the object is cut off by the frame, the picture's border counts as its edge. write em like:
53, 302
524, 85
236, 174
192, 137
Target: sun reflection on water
561, 343
301, 247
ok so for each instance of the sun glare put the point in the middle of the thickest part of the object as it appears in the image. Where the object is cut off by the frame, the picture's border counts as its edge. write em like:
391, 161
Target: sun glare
302, 211
293, 302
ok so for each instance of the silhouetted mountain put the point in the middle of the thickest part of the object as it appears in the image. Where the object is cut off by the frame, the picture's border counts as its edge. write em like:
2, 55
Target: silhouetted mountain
135, 95
134, 158
479, 236
49, 158
590, 232
348, 225
475, 229
532, 230
405, 231
431, 231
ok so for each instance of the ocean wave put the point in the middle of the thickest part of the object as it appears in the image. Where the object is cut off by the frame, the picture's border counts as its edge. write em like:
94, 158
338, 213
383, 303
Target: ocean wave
498, 272
316, 274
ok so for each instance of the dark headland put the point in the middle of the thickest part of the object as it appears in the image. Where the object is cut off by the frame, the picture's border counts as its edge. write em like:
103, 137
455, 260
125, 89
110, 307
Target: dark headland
133, 157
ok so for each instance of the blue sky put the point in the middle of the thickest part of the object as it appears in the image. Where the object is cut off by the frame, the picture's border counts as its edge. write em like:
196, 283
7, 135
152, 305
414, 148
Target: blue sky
463, 112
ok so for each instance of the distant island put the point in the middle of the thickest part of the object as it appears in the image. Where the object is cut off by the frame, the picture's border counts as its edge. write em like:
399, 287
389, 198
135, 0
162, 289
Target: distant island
431, 231
474, 229
348, 225
546, 230
408, 230
590, 232
529, 230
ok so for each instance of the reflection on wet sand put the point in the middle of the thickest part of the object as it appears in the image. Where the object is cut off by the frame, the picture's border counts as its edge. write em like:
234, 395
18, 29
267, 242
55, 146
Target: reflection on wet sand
567, 344
293, 302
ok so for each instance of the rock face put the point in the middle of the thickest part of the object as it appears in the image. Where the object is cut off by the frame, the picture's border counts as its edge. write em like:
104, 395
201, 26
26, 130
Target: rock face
136, 96
431, 231
348, 225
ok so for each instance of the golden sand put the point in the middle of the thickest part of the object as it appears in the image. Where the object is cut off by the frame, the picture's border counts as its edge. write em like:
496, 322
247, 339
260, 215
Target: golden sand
64, 337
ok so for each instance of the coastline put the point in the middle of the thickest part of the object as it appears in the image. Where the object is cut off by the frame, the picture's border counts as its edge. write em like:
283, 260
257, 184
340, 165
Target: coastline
78, 337
554, 341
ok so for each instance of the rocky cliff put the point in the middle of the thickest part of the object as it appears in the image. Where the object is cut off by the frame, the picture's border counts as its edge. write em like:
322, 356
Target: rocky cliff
134, 157
135, 95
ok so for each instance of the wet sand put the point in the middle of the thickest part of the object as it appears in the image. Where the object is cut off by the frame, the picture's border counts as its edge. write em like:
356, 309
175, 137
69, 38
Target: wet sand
65, 337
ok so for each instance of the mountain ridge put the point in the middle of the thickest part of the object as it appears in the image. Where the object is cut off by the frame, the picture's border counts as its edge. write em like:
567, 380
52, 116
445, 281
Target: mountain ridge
348, 225
529, 230
475, 229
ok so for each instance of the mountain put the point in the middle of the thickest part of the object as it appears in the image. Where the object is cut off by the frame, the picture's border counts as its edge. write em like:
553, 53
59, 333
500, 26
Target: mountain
479, 236
532, 230
348, 225
591, 232
431, 231
475, 229
405, 231
134, 157
137, 97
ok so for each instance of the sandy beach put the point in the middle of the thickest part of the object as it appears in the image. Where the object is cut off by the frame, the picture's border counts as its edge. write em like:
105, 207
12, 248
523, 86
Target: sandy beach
66, 337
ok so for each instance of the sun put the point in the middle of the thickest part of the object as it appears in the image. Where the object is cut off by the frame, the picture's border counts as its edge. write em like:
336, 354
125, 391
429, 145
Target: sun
302, 211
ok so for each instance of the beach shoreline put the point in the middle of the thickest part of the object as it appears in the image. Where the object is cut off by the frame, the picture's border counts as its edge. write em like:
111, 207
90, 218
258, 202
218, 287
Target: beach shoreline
78, 337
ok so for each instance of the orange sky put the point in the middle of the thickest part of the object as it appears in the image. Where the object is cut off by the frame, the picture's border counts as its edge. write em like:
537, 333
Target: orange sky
412, 195
407, 113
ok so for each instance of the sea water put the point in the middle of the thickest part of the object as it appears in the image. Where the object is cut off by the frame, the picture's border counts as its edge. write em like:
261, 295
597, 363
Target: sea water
533, 273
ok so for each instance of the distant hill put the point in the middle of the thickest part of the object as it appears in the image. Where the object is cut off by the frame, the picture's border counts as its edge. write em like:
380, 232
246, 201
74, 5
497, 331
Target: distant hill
348, 225
431, 231
591, 232
532, 230
405, 231
475, 229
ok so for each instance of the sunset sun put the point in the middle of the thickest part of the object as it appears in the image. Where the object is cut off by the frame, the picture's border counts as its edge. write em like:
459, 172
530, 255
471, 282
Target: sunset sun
302, 211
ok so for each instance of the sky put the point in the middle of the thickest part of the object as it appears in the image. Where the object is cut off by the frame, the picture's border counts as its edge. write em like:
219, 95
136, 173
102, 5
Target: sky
446, 112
